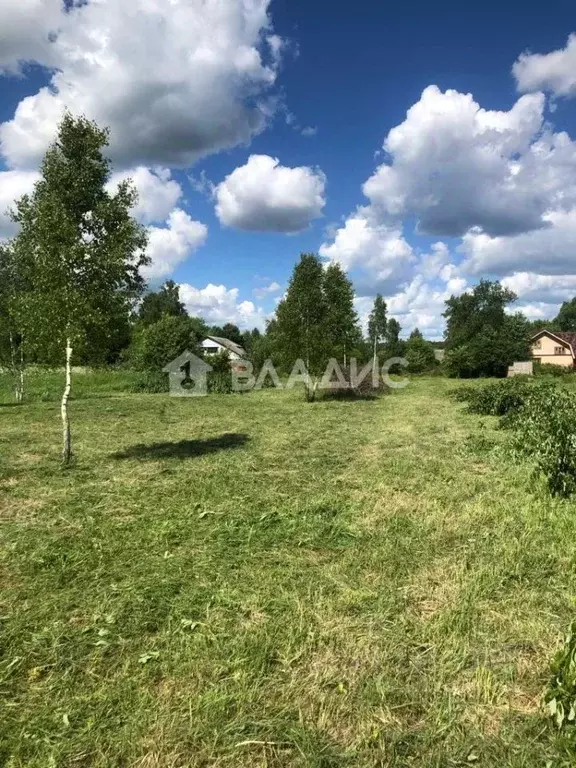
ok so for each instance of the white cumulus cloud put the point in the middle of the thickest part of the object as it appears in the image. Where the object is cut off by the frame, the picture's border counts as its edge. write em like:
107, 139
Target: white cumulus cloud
219, 305
266, 290
265, 196
13, 185
174, 79
454, 165
379, 250
554, 71
548, 251
25, 30
169, 246
158, 193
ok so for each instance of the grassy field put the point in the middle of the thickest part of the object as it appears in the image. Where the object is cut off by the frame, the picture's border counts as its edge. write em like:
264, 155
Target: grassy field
245, 581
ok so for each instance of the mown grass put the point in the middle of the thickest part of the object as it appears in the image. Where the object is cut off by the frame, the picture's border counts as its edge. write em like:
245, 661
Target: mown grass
250, 580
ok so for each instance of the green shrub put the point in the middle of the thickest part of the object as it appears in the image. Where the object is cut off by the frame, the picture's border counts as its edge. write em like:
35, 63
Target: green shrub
220, 377
498, 398
560, 697
545, 428
153, 346
154, 382
549, 369
543, 417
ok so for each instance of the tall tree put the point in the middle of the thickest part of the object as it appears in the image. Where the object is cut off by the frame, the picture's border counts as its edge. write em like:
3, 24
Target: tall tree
482, 339
11, 346
301, 317
232, 332
566, 318
78, 248
377, 325
341, 322
250, 339
419, 353
393, 344
157, 304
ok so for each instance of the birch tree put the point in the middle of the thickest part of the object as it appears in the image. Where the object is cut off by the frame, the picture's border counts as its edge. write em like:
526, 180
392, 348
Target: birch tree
78, 249
301, 318
377, 324
341, 324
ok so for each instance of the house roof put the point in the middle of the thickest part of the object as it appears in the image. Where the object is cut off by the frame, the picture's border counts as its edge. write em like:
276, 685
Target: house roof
567, 337
230, 345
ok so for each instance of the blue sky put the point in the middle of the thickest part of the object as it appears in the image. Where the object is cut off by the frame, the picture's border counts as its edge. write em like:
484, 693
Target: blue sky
252, 127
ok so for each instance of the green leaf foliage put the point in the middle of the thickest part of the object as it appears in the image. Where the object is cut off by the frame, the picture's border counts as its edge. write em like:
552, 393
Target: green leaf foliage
566, 318
545, 430
300, 318
419, 353
560, 698
341, 322
481, 338
155, 345
542, 416
79, 251
497, 398
156, 304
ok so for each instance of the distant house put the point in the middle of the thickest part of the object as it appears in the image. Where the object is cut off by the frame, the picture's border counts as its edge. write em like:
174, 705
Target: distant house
555, 347
213, 345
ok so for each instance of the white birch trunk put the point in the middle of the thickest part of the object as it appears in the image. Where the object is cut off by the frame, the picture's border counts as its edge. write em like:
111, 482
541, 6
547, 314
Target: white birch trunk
67, 444
21, 387
375, 351
14, 371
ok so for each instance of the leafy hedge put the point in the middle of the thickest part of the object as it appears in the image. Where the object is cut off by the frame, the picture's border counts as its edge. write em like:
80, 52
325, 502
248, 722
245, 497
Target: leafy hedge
496, 399
545, 429
543, 417
549, 369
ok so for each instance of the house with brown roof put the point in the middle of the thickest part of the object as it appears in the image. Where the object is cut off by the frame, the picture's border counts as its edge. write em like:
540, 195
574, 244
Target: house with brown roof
555, 347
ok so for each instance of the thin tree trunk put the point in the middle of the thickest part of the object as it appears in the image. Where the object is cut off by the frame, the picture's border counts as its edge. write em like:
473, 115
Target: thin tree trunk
375, 351
67, 444
21, 370
18, 390
13, 361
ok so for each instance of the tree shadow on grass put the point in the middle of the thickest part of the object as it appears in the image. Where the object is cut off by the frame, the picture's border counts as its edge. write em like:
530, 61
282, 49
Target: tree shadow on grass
183, 449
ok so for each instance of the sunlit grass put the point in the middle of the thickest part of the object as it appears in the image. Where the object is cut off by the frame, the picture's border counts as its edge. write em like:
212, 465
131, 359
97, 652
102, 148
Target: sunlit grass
250, 580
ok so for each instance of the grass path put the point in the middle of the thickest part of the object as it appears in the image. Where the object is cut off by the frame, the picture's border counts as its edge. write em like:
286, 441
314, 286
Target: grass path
255, 581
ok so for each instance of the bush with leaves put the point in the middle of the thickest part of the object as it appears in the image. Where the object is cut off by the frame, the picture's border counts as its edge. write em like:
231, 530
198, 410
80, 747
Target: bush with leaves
220, 377
549, 369
155, 345
498, 398
545, 428
560, 697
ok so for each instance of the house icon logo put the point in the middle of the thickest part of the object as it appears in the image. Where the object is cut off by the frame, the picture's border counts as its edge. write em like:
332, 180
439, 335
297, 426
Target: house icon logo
188, 375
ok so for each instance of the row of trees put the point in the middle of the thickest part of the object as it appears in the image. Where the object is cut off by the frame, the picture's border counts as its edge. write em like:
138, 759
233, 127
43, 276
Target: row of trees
70, 283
